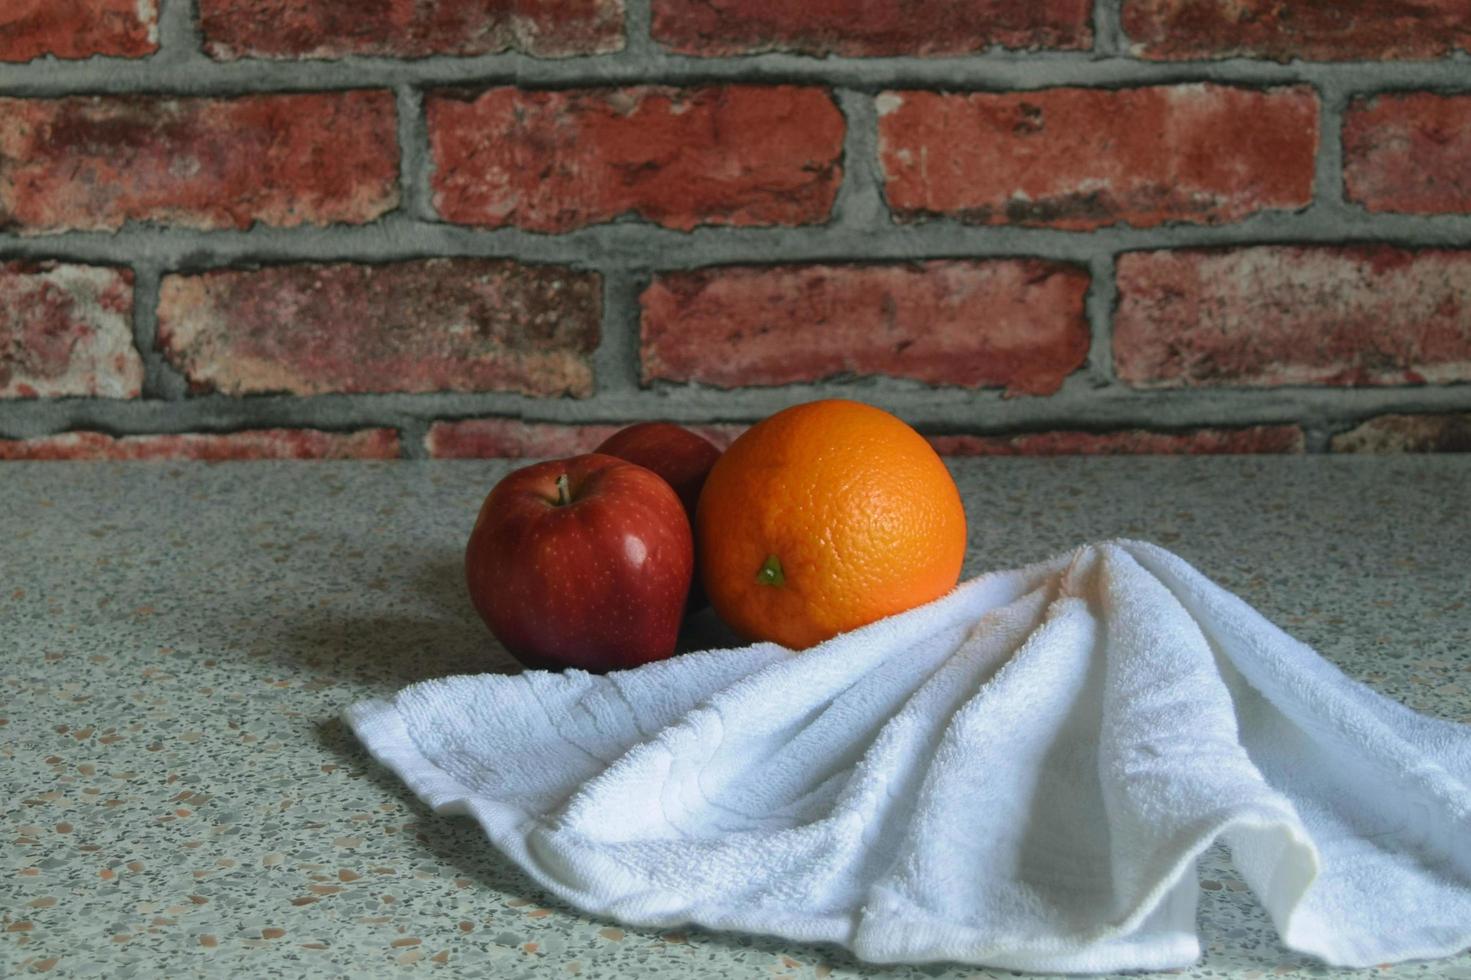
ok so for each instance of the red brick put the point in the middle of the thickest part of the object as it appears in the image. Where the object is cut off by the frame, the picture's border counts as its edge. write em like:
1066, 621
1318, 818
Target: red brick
503, 438
1409, 152
512, 439
1408, 434
432, 325
93, 163
1085, 158
67, 330
249, 445
408, 28
1313, 30
1016, 323
1255, 439
72, 29
554, 161
1281, 315
873, 28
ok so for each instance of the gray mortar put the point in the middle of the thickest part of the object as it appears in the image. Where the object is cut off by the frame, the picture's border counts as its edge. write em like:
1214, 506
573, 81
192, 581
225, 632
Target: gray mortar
637, 19
1108, 32
414, 165
628, 253
160, 378
616, 364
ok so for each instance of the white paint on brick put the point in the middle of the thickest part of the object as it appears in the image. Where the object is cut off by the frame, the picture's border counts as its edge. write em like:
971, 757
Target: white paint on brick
148, 14
103, 361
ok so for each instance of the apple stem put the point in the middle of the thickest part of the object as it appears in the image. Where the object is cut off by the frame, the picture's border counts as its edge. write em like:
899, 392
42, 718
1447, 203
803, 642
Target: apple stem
771, 573
564, 491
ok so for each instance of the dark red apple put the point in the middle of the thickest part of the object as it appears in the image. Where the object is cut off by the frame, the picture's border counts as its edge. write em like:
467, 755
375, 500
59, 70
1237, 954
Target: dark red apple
583, 562
682, 458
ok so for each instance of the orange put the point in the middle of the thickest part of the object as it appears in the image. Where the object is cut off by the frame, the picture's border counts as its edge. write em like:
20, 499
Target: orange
826, 517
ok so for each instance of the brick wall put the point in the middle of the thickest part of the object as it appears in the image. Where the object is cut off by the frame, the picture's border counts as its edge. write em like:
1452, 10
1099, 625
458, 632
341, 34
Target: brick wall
451, 228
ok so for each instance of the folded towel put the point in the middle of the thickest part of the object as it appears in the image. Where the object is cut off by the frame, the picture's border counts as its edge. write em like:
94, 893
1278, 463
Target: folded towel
1019, 775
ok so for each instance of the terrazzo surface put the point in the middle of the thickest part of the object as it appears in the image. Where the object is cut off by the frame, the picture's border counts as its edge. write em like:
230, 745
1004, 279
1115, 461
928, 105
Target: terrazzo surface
178, 799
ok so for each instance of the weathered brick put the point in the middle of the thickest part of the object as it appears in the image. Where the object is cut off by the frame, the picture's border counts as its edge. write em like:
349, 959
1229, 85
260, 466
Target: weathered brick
1409, 152
555, 161
1408, 434
1281, 315
1016, 323
873, 28
512, 439
71, 29
248, 445
1085, 158
1253, 439
1313, 30
95, 162
408, 28
505, 438
431, 325
67, 330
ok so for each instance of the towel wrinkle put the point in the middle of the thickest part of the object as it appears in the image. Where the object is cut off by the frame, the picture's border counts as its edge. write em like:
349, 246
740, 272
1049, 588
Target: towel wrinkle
556, 726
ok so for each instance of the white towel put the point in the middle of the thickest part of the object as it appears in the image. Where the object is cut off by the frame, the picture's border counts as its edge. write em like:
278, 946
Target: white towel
1019, 775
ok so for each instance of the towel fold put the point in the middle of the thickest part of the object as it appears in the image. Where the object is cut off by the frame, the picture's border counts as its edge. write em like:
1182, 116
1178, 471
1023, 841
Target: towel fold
1019, 775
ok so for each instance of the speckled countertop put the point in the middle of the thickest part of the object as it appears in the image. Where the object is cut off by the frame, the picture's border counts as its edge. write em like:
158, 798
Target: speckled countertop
179, 799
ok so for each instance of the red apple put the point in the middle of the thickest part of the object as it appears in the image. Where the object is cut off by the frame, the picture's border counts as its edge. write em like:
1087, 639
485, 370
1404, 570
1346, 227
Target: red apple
583, 562
682, 458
